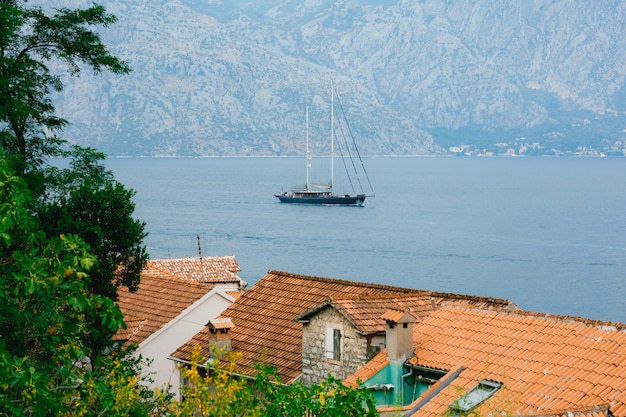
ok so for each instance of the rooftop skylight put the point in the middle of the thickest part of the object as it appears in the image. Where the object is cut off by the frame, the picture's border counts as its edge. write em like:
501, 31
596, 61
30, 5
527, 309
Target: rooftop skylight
476, 396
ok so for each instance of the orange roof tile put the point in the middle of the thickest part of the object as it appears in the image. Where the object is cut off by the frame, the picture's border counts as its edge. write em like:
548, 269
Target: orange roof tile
370, 369
559, 368
212, 269
264, 317
366, 312
132, 327
167, 288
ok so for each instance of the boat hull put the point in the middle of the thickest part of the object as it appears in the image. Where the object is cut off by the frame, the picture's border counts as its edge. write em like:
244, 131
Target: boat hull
346, 200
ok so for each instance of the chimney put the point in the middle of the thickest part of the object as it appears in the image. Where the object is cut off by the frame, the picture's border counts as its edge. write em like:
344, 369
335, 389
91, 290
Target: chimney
399, 334
219, 337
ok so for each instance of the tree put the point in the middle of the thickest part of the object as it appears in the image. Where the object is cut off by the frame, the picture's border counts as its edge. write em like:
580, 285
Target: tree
29, 41
219, 392
84, 199
45, 300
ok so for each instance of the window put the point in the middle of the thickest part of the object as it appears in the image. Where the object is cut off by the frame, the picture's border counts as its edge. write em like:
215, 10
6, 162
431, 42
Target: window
333, 343
477, 395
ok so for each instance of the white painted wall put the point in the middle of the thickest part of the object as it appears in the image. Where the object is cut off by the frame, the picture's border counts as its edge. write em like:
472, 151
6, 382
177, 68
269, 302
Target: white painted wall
160, 345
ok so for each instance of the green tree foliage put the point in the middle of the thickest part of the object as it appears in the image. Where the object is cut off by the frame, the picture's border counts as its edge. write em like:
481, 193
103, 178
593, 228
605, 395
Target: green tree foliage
30, 41
217, 391
84, 199
45, 303
46, 367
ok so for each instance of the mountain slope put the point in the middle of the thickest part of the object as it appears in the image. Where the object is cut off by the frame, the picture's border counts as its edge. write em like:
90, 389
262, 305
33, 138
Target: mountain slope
232, 78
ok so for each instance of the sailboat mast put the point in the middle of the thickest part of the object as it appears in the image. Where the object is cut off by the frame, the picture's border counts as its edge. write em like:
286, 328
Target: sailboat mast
306, 135
332, 136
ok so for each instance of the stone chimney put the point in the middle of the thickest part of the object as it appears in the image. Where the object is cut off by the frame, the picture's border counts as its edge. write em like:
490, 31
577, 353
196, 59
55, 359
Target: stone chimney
399, 334
219, 334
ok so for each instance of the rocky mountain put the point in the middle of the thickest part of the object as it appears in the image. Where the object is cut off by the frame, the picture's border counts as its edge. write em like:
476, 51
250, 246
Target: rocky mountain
415, 77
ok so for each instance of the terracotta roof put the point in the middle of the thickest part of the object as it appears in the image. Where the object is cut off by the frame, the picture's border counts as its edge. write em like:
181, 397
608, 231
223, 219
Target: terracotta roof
132, 327
264, 317
484, 303
601, 410
365, 312
160, 298
370, 369
548, 365
234, 294
212, 270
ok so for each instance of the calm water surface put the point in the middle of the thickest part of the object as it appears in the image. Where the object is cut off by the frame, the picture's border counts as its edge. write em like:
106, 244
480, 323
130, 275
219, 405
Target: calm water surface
547, 233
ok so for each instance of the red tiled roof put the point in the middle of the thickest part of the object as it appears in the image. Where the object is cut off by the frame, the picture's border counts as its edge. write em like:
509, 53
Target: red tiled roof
546, 364
601, 410
264, 317
234, 294
370, 369
212, 269
365, 312
132, 327
161, 297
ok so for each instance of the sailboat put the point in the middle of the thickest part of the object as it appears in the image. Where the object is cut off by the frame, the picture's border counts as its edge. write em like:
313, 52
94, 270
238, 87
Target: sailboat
311, 193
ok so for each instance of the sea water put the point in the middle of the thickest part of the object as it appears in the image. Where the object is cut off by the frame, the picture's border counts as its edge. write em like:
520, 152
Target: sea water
547, 233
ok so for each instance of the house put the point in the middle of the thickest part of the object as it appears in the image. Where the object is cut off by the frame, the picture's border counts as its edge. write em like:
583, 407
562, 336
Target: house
175, 299
354, 329
265, 329
425, 353
467, 359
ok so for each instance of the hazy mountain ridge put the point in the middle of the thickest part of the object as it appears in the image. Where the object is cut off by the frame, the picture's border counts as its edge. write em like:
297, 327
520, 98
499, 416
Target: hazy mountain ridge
232, 78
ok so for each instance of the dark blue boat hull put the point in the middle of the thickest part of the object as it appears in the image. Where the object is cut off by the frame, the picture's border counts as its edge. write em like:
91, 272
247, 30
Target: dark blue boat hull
346, 200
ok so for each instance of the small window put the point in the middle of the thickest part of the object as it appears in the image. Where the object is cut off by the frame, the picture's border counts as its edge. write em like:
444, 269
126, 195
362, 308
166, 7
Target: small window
405, 325
333, 343
477, 395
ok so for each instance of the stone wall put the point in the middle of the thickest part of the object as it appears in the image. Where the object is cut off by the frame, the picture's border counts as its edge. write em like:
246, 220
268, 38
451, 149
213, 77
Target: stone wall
315, 365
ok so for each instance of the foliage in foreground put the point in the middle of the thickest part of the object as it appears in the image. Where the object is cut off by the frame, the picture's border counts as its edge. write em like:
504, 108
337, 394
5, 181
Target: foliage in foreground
216, 392
68, 241
46, 307
46, 366
83, 199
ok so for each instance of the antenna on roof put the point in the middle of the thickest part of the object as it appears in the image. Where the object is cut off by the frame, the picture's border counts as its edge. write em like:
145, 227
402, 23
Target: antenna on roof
199, 248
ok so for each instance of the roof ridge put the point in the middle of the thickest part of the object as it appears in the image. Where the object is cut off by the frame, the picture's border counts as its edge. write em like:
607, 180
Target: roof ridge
570, 411
576, 319
192, 258
341, 281
176, 278
616, 326
403, 290
366, 297
473, 298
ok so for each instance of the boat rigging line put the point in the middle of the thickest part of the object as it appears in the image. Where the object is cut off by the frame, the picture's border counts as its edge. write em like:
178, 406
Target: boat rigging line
356, 148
